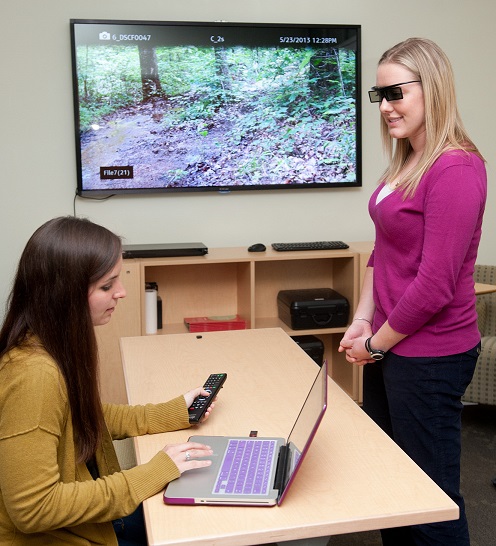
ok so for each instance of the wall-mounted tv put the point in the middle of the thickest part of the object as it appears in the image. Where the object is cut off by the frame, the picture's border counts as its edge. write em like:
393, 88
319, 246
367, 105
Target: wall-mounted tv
190, 106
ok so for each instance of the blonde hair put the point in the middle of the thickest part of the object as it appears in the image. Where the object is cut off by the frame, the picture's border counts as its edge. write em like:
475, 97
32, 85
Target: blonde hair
443, 126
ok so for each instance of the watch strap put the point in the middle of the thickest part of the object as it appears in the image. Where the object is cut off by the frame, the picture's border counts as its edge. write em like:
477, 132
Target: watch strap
375, 354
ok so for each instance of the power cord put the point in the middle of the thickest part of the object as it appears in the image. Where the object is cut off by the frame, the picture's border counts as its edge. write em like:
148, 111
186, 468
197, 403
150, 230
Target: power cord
89, 198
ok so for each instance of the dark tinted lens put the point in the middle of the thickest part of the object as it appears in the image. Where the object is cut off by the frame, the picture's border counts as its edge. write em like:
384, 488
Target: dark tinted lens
393, 93
375, 96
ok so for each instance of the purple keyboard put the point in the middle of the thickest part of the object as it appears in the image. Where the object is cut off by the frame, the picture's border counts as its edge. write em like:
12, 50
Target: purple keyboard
246, 467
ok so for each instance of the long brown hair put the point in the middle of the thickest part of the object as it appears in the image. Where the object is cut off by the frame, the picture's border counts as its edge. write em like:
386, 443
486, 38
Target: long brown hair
444, 127
49, 300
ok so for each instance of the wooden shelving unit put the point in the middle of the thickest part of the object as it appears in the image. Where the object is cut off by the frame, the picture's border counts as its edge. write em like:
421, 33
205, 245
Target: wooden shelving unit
229, 281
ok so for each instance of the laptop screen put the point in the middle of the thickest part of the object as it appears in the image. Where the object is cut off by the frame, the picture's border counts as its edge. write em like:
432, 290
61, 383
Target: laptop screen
306, 425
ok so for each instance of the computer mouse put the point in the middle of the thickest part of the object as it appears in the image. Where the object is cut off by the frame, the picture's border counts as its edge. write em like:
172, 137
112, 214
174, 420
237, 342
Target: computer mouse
257, 247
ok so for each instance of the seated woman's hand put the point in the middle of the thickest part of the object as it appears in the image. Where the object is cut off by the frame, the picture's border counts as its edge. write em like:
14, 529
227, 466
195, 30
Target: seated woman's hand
187, 456
199, 391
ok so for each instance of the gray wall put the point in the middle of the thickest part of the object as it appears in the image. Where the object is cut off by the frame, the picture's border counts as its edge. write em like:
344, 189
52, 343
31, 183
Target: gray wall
38, 178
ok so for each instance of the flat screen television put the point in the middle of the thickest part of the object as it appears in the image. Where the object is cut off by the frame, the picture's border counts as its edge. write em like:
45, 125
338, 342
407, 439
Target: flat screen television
194, 106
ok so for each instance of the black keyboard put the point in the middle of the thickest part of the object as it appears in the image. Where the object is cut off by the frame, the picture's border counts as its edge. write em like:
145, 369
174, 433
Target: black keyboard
315, 245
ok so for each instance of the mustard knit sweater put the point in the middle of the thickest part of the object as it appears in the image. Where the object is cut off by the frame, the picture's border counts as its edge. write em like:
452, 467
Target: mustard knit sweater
46, 497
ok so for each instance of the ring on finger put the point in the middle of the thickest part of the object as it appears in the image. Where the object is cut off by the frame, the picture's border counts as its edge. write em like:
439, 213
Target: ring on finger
188, 456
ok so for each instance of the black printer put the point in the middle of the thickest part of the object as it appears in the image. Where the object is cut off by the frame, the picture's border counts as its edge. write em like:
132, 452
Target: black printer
310, 308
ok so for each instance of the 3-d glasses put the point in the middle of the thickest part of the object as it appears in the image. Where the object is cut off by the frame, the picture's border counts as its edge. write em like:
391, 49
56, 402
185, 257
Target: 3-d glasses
390, 92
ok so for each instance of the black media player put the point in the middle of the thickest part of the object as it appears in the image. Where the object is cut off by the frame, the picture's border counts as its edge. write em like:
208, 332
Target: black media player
164, 250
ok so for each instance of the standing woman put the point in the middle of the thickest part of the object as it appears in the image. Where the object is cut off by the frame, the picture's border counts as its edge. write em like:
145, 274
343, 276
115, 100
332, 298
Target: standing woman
415, 328
60, 481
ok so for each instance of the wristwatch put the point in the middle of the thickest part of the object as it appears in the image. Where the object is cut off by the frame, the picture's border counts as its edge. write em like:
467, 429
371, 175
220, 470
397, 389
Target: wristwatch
376, 354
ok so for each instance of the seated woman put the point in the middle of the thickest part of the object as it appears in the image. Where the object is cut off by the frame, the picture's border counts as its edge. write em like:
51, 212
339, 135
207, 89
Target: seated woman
60, 481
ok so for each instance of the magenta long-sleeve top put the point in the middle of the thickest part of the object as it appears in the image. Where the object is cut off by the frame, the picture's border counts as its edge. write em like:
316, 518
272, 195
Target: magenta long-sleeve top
424, 255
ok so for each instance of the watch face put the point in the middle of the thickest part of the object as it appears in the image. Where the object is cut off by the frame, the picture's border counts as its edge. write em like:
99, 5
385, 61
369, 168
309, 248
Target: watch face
377, 355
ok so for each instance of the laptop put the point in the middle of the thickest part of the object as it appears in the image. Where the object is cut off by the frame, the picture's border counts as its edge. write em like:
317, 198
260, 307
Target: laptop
249, 471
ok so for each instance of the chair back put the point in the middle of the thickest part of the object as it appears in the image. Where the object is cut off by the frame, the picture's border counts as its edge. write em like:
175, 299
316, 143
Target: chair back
486, 303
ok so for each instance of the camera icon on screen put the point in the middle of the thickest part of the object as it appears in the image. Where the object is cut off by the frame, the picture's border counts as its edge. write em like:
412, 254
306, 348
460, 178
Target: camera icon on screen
104, 35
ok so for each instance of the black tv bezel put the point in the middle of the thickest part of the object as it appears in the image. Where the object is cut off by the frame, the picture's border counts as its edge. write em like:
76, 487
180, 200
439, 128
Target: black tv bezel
104, 193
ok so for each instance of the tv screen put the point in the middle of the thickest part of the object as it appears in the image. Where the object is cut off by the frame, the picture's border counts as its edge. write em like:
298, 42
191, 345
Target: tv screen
176, 106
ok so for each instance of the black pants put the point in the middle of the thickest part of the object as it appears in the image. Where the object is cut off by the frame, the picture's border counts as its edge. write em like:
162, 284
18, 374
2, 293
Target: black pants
131, 530
417, 401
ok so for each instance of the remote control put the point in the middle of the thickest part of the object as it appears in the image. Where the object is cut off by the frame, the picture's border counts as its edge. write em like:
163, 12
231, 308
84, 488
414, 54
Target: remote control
201, 403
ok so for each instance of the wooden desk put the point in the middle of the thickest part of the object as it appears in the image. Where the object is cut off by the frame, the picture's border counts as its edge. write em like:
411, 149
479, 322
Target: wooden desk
353, 479
481, 288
